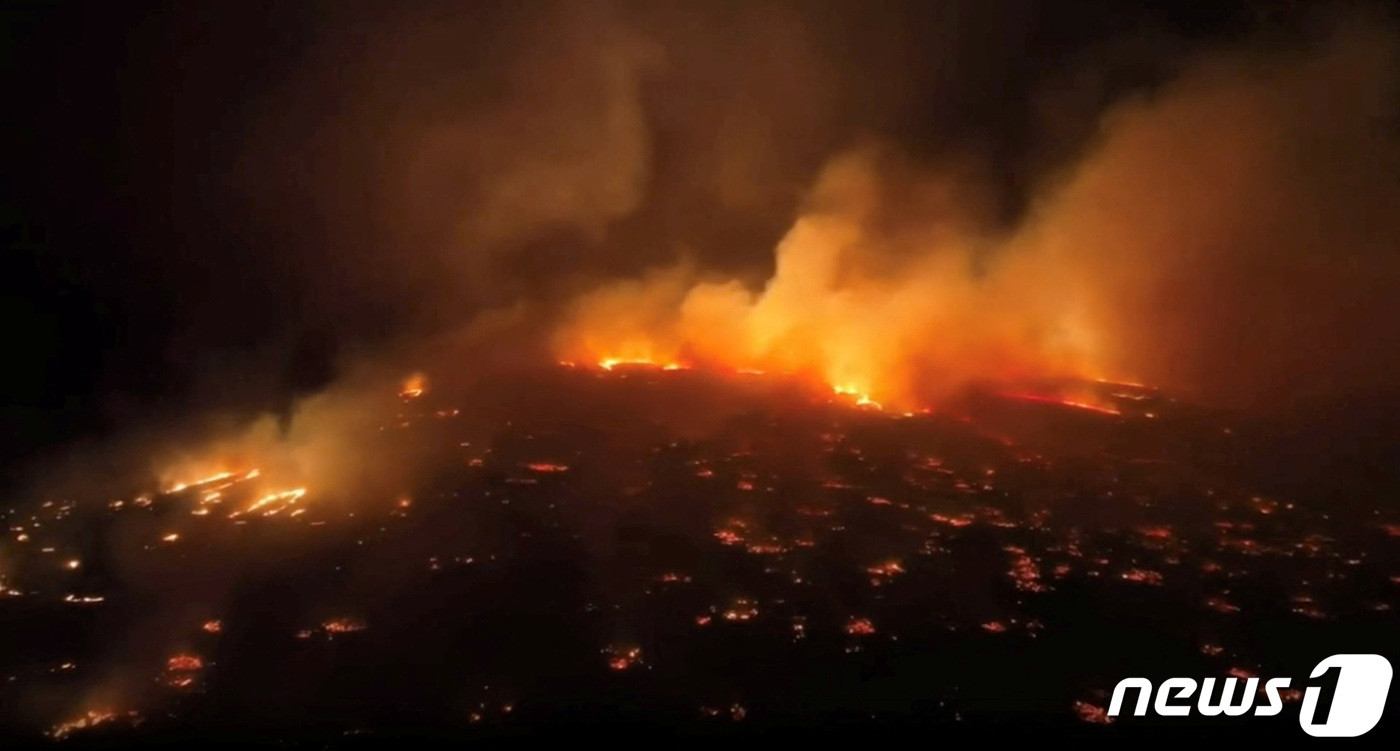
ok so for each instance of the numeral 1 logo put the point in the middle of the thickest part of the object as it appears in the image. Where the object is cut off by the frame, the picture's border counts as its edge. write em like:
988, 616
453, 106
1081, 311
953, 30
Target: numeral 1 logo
1345, 696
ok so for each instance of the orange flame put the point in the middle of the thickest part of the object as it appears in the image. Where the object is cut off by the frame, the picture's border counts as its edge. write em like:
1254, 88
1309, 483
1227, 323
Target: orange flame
414, 386
889, 320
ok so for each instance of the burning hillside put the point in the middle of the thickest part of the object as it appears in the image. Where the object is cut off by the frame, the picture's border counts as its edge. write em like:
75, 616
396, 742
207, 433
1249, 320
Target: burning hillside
490, 369
895, 318
649, 543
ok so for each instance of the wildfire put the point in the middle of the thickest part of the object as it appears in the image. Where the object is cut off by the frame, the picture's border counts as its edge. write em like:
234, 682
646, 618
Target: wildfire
742, 610
850, 308
244, 488
182, 670
182, 663
897, 402
1072, 403
547, 467
1092, 713
623, 658
273, 503
83, 599
1143, 576
88, 720
211, 489
201, 482
860, 396
608, 363
860, 627
884, 571
343, 626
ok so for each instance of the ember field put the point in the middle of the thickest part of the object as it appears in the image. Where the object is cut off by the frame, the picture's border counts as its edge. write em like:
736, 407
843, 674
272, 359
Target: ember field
624, 548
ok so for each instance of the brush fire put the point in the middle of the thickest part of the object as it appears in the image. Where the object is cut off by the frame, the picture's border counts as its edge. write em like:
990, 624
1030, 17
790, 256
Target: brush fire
758, 368
948, 517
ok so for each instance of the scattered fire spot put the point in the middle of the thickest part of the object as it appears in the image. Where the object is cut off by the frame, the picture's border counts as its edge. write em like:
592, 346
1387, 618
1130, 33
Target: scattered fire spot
90, 719
546, 467
623, 658
860, 627
1143, 576
1092, 713
343, 626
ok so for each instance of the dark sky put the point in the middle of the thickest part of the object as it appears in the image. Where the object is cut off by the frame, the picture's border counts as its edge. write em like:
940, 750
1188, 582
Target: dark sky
206, 203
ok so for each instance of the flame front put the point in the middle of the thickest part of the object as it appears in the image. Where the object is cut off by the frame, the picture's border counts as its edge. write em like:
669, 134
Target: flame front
886, 319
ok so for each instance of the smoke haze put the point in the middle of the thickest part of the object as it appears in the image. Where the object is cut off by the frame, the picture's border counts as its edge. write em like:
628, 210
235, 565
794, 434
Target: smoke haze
894, 200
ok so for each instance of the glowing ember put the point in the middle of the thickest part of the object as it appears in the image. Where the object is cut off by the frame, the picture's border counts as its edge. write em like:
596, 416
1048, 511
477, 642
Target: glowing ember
182, 671
741, 611
735, 712
728, 537
1221, 605
1092, 713
1025, 572
886, 570
184, 663
860, 627
91, 719
546, 467
623, 658
1143, 576
343, 626
83, 599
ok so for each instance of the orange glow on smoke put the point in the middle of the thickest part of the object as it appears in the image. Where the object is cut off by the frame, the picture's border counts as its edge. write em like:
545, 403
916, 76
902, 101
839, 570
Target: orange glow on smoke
893, 321
414, 386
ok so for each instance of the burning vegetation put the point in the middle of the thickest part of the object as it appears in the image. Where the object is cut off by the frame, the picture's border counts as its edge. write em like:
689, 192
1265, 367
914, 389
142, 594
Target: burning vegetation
717, 365
886, 535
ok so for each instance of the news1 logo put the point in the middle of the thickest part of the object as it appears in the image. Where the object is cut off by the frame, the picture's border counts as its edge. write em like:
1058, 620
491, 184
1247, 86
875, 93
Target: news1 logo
1345, 696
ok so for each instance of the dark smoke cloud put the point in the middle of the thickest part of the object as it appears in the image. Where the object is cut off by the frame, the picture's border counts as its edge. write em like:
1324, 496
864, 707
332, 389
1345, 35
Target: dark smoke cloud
255, 197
